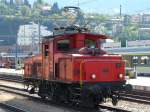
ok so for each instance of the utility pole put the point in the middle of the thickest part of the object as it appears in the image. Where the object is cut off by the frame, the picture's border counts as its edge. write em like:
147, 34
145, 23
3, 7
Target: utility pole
39, 34
78, 3
16, 56
120, 10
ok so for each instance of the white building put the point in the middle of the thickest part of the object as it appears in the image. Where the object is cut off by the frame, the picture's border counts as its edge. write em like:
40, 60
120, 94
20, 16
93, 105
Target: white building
29, 34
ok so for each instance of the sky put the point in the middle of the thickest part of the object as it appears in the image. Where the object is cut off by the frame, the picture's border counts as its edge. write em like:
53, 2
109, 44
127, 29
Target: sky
106, 6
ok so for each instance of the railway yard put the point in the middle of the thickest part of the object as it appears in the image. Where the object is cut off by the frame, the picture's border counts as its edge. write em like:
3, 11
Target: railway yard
72, 73
74, 56
14, 98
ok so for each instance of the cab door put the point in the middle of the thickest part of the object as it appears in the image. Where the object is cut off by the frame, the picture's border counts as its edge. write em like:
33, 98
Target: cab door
45, 60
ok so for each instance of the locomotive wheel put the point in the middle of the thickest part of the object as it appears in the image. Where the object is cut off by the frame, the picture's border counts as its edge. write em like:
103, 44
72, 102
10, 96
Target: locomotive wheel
60, 93
90, 101
114, 100
92, 96
128, 87
87, 98
43, 97
42, 91
32, 90
55, 95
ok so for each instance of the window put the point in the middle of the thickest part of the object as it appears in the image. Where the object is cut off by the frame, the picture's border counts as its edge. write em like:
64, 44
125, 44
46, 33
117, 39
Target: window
46, 49
63, 45
90, 43
144, 59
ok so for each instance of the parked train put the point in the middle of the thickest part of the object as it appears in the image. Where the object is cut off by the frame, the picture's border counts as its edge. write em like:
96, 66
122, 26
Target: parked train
73, 68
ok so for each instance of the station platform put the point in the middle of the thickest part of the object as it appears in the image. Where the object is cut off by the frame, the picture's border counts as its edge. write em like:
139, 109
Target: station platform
140, 83
11, 71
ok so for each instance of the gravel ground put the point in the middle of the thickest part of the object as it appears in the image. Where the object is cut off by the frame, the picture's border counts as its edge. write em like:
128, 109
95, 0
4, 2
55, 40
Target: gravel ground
32, 106
29, 105
38, 107
12, 84
131, 106
2, 110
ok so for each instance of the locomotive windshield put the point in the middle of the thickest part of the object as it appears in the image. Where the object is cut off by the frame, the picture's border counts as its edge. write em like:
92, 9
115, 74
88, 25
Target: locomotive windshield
63, 45
90, 43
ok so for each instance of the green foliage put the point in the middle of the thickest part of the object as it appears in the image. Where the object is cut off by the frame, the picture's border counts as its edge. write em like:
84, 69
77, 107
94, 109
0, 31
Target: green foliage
3, 9
129, 33
25, 11
35, 13
55, 8
38, 4
40, 1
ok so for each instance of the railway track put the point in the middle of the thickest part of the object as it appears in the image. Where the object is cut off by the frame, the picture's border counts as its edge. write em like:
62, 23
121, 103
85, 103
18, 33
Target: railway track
136, 96
11, 108
22, 92
11, 78
112, 109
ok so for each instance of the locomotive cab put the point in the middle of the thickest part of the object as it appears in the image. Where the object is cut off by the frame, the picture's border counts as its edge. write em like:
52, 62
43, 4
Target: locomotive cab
68, 47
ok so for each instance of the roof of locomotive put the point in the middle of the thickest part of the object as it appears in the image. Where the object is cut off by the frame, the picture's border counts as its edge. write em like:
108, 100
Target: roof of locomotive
98, 36
74, 30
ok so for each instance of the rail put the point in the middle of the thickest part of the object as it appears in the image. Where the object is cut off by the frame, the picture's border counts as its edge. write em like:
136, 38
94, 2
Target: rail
21, 92
11, 107
11, 78
136, 96
113, 109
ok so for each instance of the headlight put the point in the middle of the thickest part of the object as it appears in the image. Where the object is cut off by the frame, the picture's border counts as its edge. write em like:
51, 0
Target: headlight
120, 76
93, 76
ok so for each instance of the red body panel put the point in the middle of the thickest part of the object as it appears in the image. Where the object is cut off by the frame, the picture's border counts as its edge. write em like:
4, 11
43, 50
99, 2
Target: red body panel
72, 66
104, 70
104, 67
65, 68
33, 67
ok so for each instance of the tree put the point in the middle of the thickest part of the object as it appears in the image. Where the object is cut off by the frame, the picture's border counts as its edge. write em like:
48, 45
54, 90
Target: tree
40, 1
25, 11
38, 4
26, 2
11, 2
55, 8
129, 32
36, 13
3, 9
19, 2
3, 1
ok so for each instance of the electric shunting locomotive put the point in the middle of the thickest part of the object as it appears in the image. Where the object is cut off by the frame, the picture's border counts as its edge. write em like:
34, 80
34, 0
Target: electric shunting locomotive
73, 68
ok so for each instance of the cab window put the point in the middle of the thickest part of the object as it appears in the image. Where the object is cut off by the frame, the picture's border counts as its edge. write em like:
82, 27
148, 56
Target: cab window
90, 43
63, 45
46, 49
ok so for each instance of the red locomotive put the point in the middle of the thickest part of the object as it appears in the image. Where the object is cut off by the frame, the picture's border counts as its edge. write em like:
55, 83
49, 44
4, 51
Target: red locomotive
73, 68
